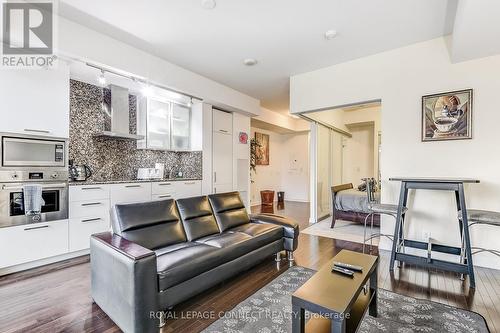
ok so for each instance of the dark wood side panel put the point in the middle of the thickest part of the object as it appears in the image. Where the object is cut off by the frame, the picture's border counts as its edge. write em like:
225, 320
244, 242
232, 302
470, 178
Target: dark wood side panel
342, 187
357, 217
132, 250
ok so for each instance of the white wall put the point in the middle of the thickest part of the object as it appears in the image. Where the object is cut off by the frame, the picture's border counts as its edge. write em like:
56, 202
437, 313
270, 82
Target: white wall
288, 168
358, 157
400, 78
372, 115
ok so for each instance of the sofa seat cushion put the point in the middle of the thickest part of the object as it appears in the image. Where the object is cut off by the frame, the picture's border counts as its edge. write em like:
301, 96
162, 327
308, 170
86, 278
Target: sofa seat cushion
178, 263
225, 239
234, 243
181, 262
260, 230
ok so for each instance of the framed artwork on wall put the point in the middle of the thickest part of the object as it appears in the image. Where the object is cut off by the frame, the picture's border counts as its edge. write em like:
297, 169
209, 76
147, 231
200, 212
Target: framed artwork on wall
447, 116
262, 149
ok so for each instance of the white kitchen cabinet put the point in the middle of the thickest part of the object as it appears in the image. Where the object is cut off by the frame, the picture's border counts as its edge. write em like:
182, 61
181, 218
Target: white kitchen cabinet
187, 188
222, 161
222, 122
163, 190
165, 124
35, 102
223, 188
89, 208
25, 243
88, 192
87, 218
80, 230
181, 127
167, 187
130, 192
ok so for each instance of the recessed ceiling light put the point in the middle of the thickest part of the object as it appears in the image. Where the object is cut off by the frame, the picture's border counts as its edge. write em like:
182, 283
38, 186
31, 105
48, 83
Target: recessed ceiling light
208, 4
330, 34
250, 62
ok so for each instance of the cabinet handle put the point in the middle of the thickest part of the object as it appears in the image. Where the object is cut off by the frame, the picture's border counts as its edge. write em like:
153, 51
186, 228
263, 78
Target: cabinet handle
36, 130
224, 131
190, 183
164, 184
215, 176
91, 204
91, 188
91, 220
132, 186
165, 196
34, 228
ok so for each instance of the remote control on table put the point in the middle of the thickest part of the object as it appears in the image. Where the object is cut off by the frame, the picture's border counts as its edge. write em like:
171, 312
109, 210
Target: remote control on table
343, 271
348, 266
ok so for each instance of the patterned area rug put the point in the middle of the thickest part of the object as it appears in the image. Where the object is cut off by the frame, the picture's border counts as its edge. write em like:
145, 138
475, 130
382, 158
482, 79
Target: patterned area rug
269, 310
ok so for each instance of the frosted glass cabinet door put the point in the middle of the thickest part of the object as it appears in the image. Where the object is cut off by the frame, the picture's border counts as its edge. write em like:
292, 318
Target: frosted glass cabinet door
158, 128
181, 118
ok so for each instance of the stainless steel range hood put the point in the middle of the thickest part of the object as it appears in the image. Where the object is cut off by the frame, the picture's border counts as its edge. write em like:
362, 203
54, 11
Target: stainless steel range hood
118, 108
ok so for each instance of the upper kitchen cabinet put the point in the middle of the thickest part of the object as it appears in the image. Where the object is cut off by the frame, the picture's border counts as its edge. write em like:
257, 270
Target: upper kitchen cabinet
165, 124
35, 101
222, 122
154, 122
181, 123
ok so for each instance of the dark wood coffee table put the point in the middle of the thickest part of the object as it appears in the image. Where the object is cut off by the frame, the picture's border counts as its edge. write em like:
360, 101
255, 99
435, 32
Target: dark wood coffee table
339, 301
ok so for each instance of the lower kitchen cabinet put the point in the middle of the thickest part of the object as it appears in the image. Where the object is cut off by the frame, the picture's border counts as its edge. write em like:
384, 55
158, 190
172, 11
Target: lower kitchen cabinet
130, 192
32, 242
90, 205
87, 218
81, 229
187, 188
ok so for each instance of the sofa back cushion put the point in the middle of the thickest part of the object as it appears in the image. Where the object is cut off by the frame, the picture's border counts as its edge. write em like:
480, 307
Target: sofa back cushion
153, 224
197, 217
229, 210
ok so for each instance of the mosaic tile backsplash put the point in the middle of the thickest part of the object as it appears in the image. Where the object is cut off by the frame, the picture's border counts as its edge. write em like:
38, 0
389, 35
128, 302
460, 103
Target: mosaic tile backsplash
112, 159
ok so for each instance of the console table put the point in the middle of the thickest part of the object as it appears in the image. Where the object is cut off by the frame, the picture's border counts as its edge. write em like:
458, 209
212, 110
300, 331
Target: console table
339, 301
444, 184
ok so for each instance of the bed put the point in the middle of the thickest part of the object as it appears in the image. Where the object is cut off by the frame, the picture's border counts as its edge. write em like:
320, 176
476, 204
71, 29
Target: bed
349, 204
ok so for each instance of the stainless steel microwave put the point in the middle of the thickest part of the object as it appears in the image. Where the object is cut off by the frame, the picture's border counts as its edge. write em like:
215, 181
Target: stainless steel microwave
32, 151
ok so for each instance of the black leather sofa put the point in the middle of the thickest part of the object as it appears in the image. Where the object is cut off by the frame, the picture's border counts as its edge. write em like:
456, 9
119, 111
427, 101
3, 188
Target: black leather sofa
161, 253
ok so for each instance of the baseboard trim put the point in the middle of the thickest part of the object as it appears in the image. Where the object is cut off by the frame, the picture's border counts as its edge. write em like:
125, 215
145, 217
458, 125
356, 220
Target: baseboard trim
276, 201
42, 262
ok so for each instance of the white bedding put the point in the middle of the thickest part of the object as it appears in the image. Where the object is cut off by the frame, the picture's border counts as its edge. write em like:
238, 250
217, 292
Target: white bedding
353, 200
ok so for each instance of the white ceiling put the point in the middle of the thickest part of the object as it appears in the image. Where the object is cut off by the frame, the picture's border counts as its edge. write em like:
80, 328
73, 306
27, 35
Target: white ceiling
285, 36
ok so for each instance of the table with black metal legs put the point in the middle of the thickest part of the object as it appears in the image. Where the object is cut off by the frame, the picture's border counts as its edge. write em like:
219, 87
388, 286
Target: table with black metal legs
455, 185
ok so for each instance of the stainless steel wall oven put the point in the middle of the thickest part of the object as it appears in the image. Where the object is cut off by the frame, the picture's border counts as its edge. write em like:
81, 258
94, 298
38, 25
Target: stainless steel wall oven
29, 160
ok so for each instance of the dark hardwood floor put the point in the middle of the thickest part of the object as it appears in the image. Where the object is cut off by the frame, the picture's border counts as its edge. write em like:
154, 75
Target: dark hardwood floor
56, 298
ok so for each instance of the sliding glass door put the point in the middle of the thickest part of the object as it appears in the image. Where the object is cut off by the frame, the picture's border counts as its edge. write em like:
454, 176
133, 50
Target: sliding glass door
324, 172
328, 166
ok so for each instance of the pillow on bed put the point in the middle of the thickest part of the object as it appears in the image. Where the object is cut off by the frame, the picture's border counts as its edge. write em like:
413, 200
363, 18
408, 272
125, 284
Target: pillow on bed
362, 187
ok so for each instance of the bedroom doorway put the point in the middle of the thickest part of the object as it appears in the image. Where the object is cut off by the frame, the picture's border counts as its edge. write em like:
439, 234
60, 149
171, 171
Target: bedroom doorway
345, 149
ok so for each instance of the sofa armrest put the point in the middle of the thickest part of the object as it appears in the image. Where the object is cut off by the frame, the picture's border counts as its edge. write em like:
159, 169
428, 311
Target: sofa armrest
130, 249
124, 282
290, 227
